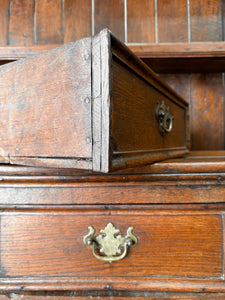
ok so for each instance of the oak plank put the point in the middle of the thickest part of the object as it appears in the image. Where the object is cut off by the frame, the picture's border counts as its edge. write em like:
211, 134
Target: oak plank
21, 22
172, 21
77, 19
140, 21
111, 16
206, 20
207, 101
49, 22
4, 5
52, 245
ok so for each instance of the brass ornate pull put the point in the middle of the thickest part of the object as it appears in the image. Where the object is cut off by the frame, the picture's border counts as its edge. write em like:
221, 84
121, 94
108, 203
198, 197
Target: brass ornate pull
110, 242
163, 116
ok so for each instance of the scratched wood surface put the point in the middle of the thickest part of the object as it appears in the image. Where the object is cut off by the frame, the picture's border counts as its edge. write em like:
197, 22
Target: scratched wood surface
46, 99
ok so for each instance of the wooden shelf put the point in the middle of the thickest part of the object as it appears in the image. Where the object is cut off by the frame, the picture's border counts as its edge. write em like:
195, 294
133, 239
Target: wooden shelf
12, 53
162, 58
183, 57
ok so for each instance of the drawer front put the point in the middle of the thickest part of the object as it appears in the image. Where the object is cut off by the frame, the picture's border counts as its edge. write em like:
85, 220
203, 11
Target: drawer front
46, 245
134, 123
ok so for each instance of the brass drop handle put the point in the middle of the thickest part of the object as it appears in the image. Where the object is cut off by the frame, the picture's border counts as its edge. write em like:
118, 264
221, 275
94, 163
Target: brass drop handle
110, 243
164, 118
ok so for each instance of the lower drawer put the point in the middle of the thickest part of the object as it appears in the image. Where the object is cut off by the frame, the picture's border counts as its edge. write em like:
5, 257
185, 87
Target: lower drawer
176, 249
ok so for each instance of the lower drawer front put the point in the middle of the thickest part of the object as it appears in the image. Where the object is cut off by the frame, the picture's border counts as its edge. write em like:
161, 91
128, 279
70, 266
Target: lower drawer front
46, 244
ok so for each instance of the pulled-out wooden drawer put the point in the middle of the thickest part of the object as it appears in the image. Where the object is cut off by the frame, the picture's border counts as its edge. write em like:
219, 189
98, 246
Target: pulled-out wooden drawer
176, 249
92, 105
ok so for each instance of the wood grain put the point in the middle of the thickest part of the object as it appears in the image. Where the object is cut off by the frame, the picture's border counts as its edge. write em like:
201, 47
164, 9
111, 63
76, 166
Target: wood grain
21, 22
181, 84
206, 20
4, 7
110, 15
172, 21
207, 102
52, 245
48, 22
140, 21
139, 116
35, 92
77, 20
114, 295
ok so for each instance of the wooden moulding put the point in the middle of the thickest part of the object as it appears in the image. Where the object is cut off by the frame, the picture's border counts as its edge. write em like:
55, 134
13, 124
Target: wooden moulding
87, 105
182, 57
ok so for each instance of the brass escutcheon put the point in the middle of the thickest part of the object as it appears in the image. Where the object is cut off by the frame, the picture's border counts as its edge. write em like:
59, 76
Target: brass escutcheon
110, 242
164, 118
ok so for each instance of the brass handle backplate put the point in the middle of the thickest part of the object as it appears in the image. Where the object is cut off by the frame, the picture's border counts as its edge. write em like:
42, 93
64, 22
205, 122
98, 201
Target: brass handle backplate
164, 118
110, 245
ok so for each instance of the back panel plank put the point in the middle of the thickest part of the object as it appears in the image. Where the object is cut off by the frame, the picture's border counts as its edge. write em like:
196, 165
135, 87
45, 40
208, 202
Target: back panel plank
206, 20
140, 21
109, 15
207, 106
77, 19
21, 22
4, 4
48, 21
172, 21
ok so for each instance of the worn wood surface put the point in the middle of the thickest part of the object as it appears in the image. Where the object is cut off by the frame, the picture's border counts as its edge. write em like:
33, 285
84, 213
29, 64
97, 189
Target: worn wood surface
110, 16
21, 22
98, 122
32, 105
77, 20
4, 22
48, 15
115, 295
140, 21
172, 21
207, 100
206, 20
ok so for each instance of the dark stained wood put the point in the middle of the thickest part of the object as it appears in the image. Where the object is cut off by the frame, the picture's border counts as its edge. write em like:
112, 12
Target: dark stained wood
206, 20
77, 20
207, 101
51, 244
139, 116
110, 16
48, 14
4, 5
172, 21
140, 21
183, 57
181, 84
21, 22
